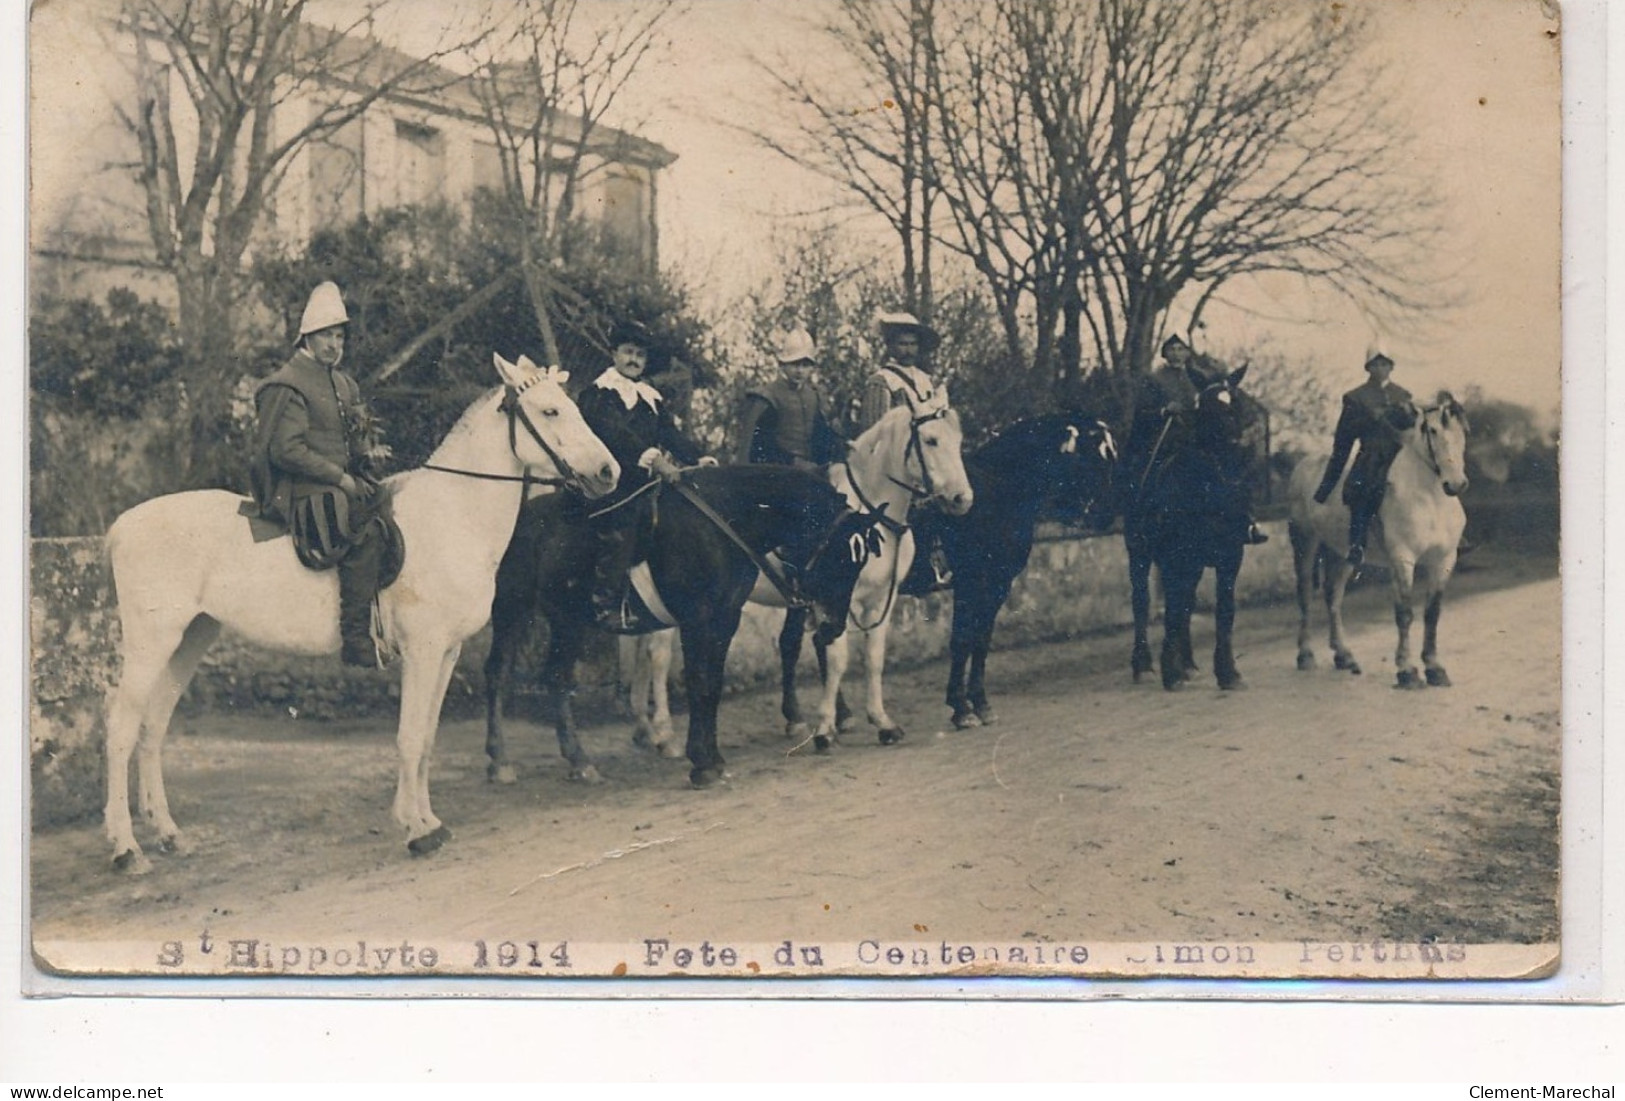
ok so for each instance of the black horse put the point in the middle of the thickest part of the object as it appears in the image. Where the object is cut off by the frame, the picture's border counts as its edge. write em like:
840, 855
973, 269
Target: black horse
1060, 459
1185, 512
703, 573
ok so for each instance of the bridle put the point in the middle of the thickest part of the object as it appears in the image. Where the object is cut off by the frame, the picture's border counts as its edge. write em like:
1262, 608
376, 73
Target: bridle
515, 409
1426, 433
916, 448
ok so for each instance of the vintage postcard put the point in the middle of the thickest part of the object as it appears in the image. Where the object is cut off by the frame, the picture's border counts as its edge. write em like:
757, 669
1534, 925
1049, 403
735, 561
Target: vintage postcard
1134, 426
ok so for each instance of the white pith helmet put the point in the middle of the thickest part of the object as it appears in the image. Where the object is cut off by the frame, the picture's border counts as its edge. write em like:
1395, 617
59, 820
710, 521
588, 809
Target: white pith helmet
796, 346
324, 310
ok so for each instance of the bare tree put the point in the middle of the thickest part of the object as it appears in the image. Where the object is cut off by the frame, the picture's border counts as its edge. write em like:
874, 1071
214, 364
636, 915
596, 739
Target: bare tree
882, 151
257, 83
545, 79
1095, 160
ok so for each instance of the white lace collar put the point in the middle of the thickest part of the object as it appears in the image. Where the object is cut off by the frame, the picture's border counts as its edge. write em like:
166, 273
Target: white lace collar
630, 391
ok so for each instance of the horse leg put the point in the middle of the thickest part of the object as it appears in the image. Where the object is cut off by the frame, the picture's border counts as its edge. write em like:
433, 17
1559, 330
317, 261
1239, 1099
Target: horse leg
630, 659
832, 663
424, 672
1178, 598
1304, 548
439, 834
559, 676
1139, 580
661, 647
875, 671
981, 643
147, 651
1338, 572
510, 622
1436, 676
1404, 592
959, 650
1224, 626
166, 693
705, 655
790, 636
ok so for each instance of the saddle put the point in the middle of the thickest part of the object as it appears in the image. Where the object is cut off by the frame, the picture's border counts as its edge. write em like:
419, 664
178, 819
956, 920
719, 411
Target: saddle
314, 540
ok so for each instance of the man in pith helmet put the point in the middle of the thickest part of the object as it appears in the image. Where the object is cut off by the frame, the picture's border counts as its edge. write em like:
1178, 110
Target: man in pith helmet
311, 468
787, 420
1375, 415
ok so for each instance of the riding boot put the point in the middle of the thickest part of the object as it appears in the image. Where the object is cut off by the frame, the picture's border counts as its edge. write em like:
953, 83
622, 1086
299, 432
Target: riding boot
616, 546
1360, 516
358, 584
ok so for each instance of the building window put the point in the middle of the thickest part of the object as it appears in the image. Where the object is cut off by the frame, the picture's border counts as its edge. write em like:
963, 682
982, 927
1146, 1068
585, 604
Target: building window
420, 163
625, 212
336, 187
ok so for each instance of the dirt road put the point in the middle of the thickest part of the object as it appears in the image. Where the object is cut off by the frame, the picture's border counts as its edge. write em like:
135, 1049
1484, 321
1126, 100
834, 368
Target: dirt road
1314, 807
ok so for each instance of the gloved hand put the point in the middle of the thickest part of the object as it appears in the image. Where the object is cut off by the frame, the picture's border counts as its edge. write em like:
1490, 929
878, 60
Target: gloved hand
708, 460
662, 466
360, 489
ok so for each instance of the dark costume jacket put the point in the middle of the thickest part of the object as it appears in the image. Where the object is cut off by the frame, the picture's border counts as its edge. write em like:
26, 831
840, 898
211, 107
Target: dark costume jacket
1374, 416
308, 423
1164, 399
631, 417
788, 424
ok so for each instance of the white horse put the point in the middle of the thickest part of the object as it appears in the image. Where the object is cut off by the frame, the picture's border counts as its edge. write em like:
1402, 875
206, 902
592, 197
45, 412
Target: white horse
1416, 532
187, 564
907, 457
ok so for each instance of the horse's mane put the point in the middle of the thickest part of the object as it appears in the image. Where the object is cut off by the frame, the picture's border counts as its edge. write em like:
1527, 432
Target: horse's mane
464, 425
1013, 444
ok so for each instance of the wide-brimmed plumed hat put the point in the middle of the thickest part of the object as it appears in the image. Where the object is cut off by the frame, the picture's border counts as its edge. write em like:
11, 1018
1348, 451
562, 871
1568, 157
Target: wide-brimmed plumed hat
900, 322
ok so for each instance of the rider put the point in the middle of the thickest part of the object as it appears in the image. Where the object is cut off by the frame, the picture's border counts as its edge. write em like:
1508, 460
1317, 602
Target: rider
635, 422
1164, 402
311, 468
904, 378
787, 420
1374, 415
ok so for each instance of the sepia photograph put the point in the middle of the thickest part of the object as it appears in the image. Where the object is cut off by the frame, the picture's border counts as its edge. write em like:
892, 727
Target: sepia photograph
878, 490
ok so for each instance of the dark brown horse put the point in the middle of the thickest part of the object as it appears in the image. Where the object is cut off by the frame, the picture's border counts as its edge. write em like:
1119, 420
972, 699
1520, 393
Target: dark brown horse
703, 573
1185, 513
1064, 460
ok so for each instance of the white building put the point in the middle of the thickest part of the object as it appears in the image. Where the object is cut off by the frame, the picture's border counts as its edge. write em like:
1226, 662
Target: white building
88, 227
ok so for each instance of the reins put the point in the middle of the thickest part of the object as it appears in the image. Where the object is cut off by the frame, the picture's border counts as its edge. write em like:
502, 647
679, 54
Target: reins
517, 415
787, 588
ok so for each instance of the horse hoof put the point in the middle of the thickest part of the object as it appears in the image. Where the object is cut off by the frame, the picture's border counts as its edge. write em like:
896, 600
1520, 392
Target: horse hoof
1174, 684
822, 743
428, 843
1438, 678
966, 720
891, 735
1408, 678
1234, 684
132, 862
796, 731
702, 778
670, 750
1346, 662
586, 774
501, 774
1306, 661
174, 845
987, 714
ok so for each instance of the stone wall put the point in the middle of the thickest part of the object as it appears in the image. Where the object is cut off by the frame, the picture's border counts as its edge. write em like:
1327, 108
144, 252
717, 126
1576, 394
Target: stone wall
1071, 586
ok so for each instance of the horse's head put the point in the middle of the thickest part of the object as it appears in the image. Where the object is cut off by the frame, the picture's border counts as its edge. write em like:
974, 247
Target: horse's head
547, 433
1223, 413
921, 451
1086, 461
1440, 439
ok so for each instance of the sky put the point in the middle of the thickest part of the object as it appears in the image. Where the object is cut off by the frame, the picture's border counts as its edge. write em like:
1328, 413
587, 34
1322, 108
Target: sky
1479, 80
